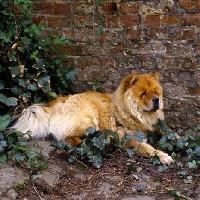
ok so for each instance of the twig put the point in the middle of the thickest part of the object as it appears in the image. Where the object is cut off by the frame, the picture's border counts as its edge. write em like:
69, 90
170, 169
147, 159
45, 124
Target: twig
78, 160
37, 192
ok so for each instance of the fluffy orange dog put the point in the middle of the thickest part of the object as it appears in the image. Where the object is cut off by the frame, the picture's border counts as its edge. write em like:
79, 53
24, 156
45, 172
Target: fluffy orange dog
136, 105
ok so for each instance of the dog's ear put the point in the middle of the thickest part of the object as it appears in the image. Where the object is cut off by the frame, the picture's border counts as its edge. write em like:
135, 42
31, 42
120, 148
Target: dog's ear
133, 80
156, 75
130, 80
127, 82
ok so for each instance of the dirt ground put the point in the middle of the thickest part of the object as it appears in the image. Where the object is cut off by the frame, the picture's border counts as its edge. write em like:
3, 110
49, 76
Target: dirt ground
119, 178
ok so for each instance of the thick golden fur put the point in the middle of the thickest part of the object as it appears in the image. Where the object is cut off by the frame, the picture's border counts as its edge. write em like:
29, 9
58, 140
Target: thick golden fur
136, 105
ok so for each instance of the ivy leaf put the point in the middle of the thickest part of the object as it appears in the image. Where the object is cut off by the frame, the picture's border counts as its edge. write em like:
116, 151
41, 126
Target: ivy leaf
15, 71
162, 168
2, 145
68, 42
131, 168
42, 80
155, 160
11, 101
12, 139
32, 86
3, 98
130, 151
2, 85
197, 151
174, 193
3, 157
97, 161
18, 156
139, 136
181, 142
90, 130
99, 143
13, 55
22, 82
71, 160
127, 138
59, 145
192, 164
58, 41
71, 74
31, 154
1, 136
4, 121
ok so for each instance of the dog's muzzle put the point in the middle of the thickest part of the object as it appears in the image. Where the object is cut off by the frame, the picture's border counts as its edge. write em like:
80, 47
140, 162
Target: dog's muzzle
156, 104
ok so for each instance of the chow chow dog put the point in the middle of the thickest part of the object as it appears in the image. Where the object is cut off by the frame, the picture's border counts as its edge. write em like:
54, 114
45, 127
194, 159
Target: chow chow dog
136, 105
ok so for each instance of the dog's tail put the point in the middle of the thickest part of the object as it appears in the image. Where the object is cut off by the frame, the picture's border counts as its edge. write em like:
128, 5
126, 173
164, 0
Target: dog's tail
34, 119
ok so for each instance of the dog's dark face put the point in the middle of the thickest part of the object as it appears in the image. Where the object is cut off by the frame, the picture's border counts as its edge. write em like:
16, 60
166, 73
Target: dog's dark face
146, 91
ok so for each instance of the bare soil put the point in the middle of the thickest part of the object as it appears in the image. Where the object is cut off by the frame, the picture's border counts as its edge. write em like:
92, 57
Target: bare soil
119, 178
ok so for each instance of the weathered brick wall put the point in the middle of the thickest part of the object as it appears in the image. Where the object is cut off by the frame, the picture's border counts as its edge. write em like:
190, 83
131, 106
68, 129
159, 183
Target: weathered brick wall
139, 36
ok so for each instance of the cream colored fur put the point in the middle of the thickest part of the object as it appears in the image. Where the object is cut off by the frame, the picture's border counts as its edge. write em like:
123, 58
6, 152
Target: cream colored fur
67, 118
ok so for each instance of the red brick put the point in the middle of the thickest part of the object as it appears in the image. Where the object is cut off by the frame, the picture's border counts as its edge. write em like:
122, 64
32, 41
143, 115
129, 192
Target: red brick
198, 49
152, 20
194, 91
129, 20
185, 35
190, 5
129, 8
38, 19
83, 35
117, 48
186, 4
111, 21
70, 61
84, 62
132, 34
105, 61
43, 8
109, 8
191, 19
104, 38
153, 32
171, 20
82, 8
67, 33
58, 22
82, 20
62, 9
75, 50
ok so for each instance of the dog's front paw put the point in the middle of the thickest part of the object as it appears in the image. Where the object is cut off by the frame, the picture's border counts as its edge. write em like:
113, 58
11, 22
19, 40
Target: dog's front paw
165, 158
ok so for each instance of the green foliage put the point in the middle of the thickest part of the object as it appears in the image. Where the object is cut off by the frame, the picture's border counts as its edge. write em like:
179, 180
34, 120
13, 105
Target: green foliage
95, 146
31, 67
175, 193
13, 147
99, 30
95, 87
98, 1
189, 144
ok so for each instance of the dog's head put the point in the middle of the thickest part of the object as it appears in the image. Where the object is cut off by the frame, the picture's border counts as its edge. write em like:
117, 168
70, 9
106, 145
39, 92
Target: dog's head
144, 90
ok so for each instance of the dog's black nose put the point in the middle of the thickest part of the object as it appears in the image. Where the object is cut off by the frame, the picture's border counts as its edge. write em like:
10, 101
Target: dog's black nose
155, 100
155, 103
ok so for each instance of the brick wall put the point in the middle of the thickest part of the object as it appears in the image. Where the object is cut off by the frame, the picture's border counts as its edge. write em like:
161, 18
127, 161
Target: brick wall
139, 36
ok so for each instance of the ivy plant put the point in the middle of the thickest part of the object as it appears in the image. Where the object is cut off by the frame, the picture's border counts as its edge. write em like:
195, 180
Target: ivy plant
95, 146
31, 67
13, 147
189, 144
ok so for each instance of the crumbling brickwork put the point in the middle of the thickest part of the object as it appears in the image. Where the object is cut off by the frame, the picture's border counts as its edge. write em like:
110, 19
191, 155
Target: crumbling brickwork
137, 36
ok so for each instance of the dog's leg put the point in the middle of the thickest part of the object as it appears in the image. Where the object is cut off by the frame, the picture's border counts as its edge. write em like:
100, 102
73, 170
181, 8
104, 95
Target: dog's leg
145, 150
73, 141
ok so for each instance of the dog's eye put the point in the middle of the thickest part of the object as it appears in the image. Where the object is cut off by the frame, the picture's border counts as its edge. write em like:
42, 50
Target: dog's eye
143, 94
